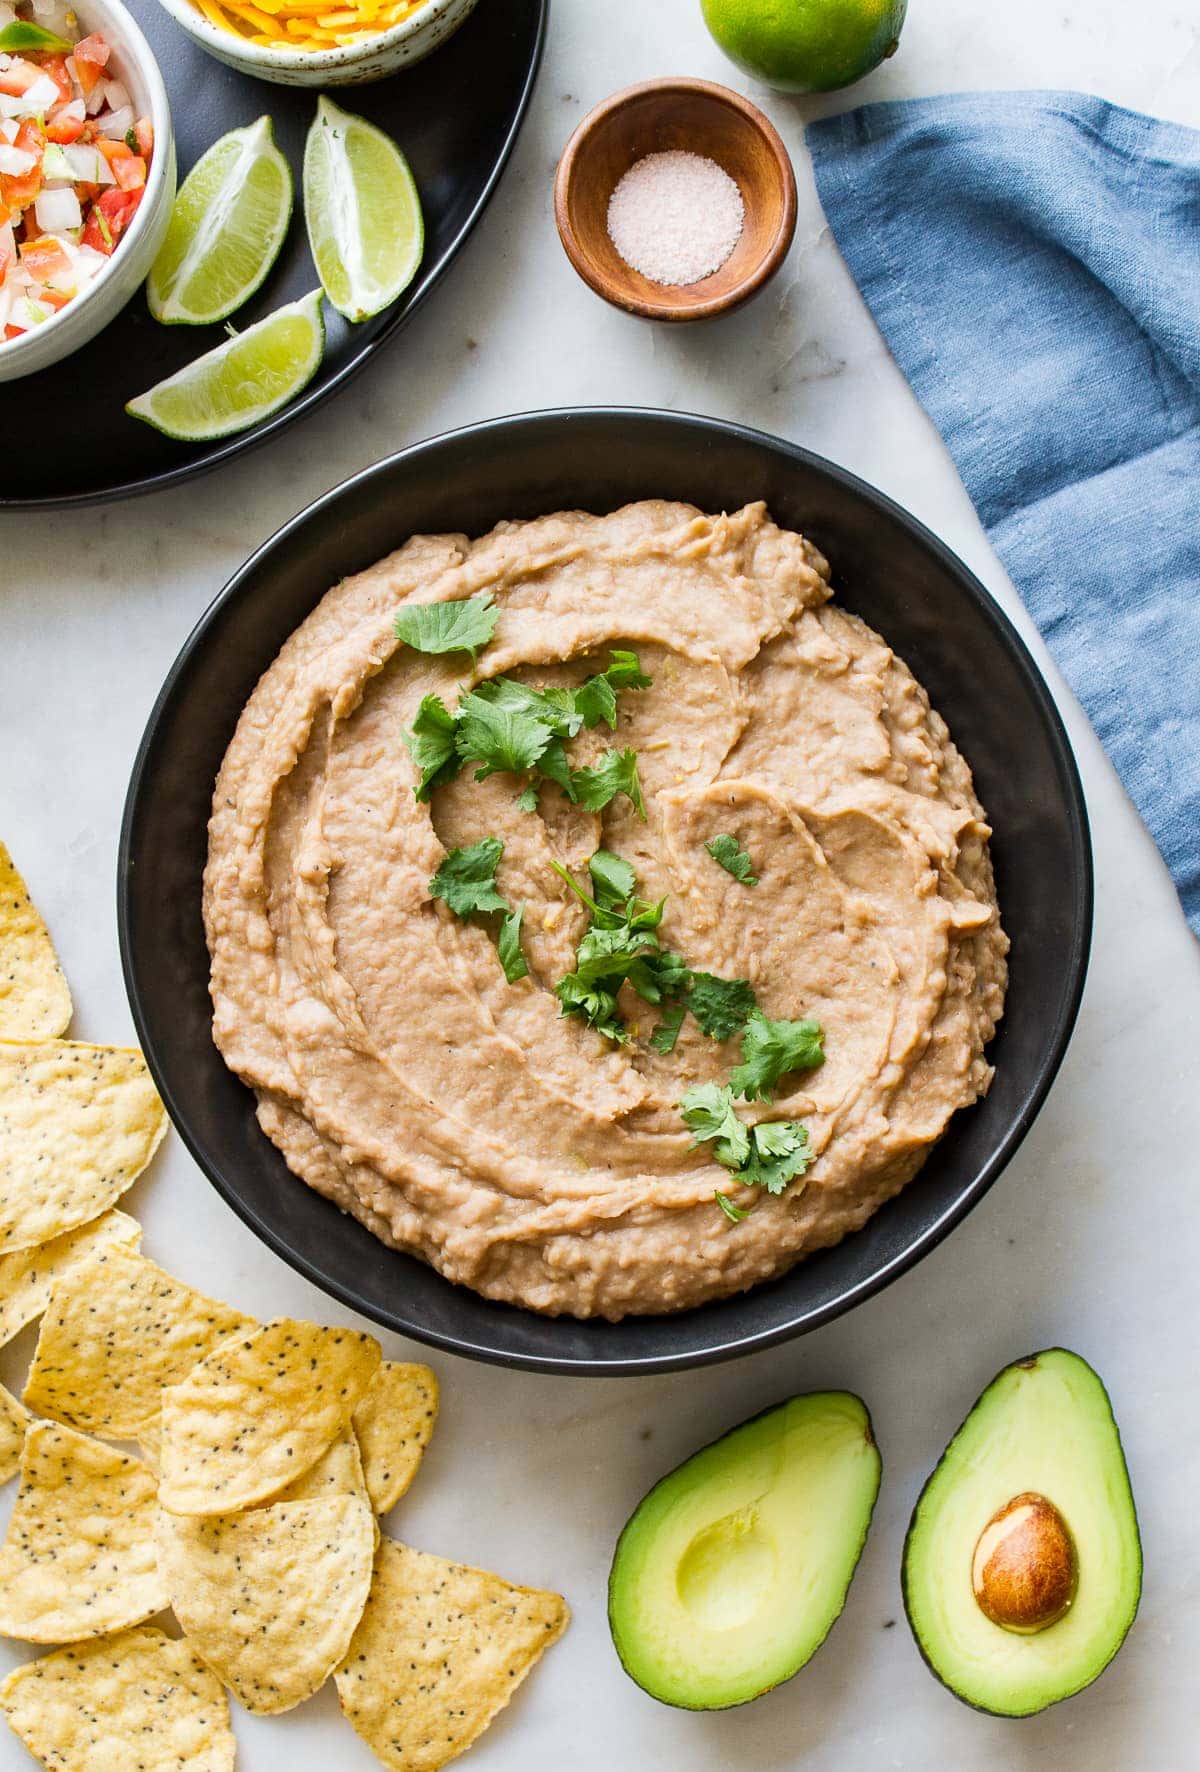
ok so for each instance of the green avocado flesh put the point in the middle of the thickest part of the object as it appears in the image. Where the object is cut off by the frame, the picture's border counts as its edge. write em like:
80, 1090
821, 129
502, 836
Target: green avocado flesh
732, 1570
1044, 1427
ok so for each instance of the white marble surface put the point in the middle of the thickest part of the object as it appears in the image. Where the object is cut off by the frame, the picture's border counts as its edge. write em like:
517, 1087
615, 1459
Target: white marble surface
1091, 1238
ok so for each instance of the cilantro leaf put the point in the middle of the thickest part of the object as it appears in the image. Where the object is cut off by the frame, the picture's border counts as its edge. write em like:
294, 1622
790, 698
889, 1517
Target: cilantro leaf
527, 799
734, 1213
780, 1152
720, 1005
596, 699
770, 1049
463, 626
466, 879
508, 946
550, 707
553, 764
613, 879
667, 1032
596, 1004
431, 745
499, 736
708, 1111
615, 773
725, 850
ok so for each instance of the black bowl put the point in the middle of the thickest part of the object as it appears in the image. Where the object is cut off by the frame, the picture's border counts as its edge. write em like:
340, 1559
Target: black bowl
890, 570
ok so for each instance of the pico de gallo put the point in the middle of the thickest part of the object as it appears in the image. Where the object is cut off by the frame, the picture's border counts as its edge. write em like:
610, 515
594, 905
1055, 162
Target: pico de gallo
74, 158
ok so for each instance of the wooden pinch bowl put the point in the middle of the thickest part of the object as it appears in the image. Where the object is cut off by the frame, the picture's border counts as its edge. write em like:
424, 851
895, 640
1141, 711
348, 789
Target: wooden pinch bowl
655, 117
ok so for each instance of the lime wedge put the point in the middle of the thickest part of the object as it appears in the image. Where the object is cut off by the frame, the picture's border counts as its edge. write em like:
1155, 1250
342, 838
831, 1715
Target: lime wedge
362, 212
244, 380
226, 229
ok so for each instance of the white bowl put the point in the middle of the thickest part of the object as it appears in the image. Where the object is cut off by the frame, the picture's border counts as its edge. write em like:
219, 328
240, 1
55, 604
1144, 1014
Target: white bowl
352, 65
104, 297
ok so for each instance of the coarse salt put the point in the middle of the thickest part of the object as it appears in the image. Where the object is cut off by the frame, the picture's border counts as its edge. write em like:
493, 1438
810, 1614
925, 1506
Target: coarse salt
675, 217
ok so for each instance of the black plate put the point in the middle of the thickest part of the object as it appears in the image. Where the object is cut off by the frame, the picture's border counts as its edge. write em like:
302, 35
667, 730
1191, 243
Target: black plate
456, 116
896, 574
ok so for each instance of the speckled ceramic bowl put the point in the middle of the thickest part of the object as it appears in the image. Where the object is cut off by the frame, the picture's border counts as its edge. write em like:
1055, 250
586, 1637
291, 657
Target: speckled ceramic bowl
122, 276
371, 59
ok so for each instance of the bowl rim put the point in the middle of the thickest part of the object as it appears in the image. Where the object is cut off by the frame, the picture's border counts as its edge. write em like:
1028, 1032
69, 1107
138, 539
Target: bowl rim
674, 309
262, 55
140, 52
494, 431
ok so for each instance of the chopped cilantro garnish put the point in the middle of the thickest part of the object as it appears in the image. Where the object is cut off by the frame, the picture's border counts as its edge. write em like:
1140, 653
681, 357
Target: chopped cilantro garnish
621, 943
615, 773
462, 626
726, 850
720, 1005
102, 224
431, 745
498, 735
466, 880
768, 1155
734, 1213
770, 1049
667, 1032
508, 946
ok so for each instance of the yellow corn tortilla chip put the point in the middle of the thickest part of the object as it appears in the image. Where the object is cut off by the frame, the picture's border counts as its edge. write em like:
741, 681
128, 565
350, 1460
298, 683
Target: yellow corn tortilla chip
13, 1422
35, 1003
258, 1412
27, 1276
78, 1124
439, 1651
271, 1598
116, 1331
339, 1471
78, 1558
136, 1701
394, 1423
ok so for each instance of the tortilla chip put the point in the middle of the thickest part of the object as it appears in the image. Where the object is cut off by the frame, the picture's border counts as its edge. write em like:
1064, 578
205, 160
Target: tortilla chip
28, 1275
116, 1331
78, 1124
439, 1652
78, 1558
339, 1471
258, 1412
270, 1599
13, 1422
139, 1700
35, 1003
394, 1423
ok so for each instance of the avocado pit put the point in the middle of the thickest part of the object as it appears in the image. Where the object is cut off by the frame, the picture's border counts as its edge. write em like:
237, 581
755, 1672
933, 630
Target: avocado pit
1025, 1571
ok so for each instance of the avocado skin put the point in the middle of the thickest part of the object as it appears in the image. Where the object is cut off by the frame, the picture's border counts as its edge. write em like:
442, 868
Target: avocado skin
983, 1709
668, 1477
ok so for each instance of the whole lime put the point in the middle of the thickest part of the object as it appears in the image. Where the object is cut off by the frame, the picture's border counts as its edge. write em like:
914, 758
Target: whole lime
806, 45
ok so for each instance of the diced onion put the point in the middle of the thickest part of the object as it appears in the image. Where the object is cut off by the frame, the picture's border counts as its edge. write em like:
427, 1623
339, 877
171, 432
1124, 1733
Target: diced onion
8, 129
95, 100
15, 161
87, 163
41, 95
117, 94
57, 211
74, 110
116, 124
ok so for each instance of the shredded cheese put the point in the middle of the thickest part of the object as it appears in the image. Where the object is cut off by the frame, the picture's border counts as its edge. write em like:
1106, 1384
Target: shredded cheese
306, 24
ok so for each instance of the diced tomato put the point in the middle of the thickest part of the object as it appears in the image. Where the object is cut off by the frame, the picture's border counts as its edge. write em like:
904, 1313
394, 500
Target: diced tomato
5, 216
11, 331
45, 259
62, 129
8, 257
56, 67
18, 189
92, 49
55, 298
109, 217
143, 135
129, 172
113, 150
18, 77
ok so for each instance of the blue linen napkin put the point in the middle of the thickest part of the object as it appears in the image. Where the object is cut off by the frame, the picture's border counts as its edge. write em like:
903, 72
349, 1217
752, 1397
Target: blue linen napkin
1033, 261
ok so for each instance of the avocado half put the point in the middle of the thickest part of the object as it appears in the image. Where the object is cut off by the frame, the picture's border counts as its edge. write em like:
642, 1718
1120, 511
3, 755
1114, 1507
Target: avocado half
1029, 1517
733, 1568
